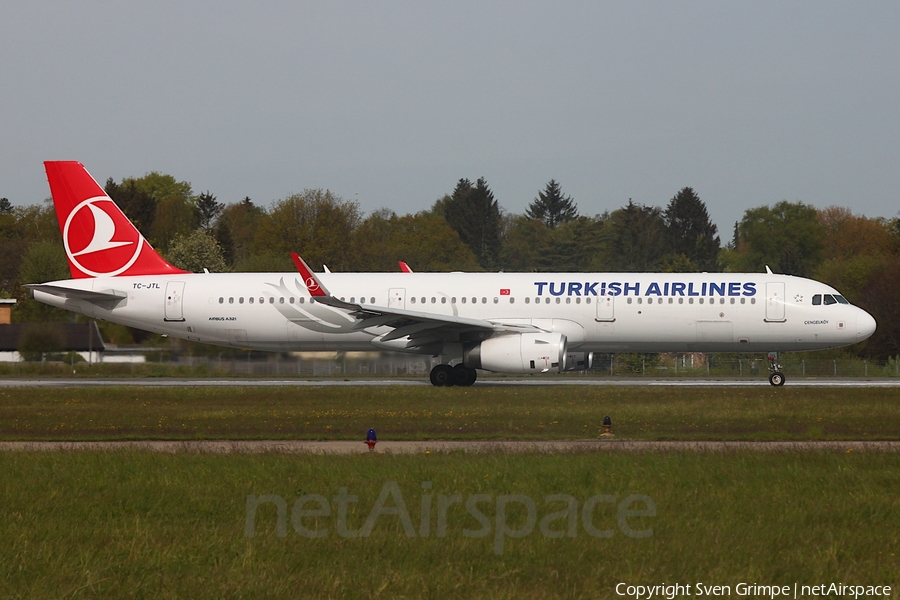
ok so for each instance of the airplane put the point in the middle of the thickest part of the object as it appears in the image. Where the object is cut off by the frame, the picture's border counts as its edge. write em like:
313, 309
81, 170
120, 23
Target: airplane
516, 323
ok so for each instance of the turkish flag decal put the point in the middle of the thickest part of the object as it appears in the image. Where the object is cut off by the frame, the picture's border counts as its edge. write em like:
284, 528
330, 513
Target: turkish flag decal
504, 291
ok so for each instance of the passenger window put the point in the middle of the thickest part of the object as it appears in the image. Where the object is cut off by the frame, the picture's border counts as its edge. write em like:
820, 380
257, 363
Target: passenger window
412, 300
691, 300
671, 300
444, 300
730, 300
578, 300
587, 300
701, 300
629, 301
281, 300
681, 301
241, 300
568, 301
463, 299
484, 300
302, 300
743, 300
291, 300
251, 301
433, 300
221, 300
231, 301
453, 300
547, 301
527, 300
752, 300
512, 300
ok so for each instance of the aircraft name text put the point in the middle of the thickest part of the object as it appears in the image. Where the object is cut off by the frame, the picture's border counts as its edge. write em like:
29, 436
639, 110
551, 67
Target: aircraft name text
624, 288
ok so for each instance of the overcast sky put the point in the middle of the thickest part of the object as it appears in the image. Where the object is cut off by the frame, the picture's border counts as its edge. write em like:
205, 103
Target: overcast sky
390, 103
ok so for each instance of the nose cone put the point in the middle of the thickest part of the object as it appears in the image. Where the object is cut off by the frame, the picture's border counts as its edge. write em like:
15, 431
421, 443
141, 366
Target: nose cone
865, 325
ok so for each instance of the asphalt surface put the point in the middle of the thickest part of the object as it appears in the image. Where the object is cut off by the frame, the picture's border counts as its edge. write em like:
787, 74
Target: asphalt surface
858, 382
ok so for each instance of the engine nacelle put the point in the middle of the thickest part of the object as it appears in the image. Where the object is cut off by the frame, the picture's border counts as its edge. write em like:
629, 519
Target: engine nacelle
519, 353
579, 361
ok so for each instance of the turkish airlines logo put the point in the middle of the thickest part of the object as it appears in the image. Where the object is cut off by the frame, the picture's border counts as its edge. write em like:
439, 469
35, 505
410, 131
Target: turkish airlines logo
99, 240
312, 284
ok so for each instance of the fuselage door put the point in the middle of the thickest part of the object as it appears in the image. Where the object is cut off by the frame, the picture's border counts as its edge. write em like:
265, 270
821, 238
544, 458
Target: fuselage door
775, 302
397, 298
174, 297
606, 309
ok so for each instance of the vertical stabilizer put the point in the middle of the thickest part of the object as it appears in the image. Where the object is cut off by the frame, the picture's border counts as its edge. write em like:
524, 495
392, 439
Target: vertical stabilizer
98, 238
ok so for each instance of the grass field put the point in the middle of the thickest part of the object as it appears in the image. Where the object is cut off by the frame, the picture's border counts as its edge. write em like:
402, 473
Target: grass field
404, 413
143, 525
94, 524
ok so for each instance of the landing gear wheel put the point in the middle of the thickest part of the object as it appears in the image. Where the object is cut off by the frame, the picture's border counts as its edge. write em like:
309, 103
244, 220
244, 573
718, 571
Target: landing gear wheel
442, 375
463, 375
777, 379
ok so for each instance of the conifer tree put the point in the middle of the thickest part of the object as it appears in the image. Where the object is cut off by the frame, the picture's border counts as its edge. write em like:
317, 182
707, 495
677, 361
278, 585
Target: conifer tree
552, 207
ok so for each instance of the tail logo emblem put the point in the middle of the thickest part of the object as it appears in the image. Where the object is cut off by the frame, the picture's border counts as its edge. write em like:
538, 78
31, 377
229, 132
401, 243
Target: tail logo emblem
101, 255
312, 284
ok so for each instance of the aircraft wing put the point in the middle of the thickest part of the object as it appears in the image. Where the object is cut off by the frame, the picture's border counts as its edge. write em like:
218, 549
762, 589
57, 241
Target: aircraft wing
421, 329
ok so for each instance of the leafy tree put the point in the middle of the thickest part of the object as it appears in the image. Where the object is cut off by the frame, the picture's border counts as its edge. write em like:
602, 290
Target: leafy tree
690, 232
38, 339
787, 237
637, 239
196, 251
138, 205
175, 217
525, 245
236, 229
316, 224
425, 239
552, 207
879, 298
6, 206
474, 214
208, 210
846, 235
43, 261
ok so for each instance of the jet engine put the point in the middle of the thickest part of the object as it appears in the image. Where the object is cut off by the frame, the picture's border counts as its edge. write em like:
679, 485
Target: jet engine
519, 353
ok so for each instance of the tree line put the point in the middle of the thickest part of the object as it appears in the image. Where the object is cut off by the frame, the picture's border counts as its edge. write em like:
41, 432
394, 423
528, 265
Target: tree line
467, 230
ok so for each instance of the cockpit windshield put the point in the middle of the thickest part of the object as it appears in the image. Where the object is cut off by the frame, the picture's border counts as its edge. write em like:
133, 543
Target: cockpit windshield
828, 299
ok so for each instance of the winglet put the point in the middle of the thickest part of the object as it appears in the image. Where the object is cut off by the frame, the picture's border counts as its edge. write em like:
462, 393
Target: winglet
404, 267
315, 287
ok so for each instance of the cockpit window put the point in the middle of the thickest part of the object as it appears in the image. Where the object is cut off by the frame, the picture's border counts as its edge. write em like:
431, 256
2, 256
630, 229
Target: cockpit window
841, 299
817, 299
829, 299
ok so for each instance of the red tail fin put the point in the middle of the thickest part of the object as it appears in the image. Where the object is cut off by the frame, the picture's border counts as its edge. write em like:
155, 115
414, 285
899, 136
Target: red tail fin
99, 239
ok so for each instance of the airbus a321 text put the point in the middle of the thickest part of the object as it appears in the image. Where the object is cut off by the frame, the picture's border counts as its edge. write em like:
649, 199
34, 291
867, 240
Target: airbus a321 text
520, 323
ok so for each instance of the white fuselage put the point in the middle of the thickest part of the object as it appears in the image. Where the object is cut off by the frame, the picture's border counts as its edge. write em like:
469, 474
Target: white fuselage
599, 312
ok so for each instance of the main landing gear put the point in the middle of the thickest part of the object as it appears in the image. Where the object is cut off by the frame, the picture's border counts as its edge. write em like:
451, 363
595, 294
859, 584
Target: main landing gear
776, 377
445, 375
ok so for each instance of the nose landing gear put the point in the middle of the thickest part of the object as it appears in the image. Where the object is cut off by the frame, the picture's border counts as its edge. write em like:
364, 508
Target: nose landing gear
776, 377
